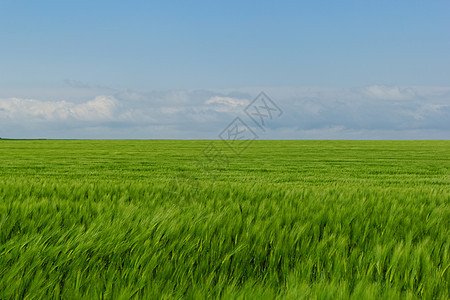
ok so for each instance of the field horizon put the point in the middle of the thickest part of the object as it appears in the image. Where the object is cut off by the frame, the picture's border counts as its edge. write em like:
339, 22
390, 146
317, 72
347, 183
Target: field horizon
190, 139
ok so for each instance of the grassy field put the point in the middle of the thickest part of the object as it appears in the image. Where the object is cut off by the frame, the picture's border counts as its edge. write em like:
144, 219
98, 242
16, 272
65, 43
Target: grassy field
284, 219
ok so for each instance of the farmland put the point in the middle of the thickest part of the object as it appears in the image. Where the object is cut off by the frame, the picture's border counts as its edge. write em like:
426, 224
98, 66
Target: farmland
283, 219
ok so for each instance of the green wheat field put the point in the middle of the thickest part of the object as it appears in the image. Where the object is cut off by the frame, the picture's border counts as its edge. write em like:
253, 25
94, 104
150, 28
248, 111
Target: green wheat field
282, 220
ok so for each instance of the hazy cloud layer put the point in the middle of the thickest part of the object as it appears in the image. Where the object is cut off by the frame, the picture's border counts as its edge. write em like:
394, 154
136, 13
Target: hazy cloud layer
373, 112
101, 108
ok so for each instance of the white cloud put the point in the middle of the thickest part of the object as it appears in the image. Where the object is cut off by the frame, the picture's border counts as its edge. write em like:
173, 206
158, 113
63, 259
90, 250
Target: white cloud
359, 113
101, 108
226, 104
388, 92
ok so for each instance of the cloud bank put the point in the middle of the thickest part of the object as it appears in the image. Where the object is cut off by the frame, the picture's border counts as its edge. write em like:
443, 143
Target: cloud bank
372, 112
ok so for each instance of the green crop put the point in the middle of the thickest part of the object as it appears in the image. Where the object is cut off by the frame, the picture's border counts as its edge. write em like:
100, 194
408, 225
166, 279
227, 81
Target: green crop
283, 219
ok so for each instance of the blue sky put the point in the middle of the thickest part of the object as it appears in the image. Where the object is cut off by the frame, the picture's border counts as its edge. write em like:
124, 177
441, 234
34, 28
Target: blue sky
147, 57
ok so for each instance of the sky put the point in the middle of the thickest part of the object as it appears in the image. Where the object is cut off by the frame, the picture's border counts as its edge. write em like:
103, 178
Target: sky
187, 69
